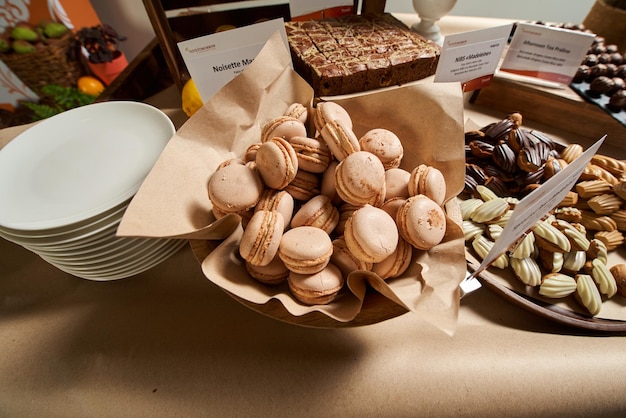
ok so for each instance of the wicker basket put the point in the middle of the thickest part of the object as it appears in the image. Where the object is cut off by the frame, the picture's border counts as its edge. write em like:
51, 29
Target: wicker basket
49, 65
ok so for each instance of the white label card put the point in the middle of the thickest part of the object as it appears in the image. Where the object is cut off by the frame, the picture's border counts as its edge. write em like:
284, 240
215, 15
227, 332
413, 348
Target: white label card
214, 60
538, 203
545, 52
472, 57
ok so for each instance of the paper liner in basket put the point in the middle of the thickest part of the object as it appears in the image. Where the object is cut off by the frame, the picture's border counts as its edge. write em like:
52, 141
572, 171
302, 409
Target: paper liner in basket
173, 200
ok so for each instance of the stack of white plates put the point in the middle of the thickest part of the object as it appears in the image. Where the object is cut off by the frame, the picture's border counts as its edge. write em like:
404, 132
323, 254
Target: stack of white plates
66, 182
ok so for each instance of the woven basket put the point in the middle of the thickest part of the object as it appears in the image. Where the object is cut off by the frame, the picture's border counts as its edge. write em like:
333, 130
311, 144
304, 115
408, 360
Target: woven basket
48, 65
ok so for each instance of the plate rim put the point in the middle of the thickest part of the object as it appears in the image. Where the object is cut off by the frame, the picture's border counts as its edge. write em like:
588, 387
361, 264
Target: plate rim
61, 222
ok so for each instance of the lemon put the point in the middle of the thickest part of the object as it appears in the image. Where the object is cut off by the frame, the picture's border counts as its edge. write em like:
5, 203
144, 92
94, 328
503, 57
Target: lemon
89, 85
190, 98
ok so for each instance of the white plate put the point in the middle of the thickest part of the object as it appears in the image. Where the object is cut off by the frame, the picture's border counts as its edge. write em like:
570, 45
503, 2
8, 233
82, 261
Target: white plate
138, 266
116, 212
79, 163
124, 257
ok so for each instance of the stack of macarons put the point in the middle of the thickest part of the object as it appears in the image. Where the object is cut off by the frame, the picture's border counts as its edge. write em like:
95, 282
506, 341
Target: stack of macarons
317, 204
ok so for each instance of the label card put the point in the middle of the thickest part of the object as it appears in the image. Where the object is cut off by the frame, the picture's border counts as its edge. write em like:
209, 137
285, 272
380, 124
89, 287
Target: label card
213, 60
472, 57
538, 203
547, 53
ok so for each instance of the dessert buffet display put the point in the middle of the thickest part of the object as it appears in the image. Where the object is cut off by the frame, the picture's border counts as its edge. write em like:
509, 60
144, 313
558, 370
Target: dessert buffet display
567, 254
357, 53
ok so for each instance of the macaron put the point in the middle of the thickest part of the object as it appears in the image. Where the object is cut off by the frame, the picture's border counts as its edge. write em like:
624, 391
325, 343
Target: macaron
396, 263
327, 184
283, 127
421, 222
429, 181
391, 206
273, 273
313, 153
235, 188
345, 212
278, 200
371, 234
340, 139
396, 183
297, 111
385, 145
345, 260
328, 111
304, 186
261, 237
360, 179
319, 288
318, 212
250, 154
305, 249
277, 163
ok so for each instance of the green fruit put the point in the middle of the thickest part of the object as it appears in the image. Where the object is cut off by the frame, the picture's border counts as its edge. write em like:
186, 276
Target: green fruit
24, 33
5, 44
23, 47
54, 30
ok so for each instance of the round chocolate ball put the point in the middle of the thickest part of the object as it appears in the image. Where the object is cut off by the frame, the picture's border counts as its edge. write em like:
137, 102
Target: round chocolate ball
591, 60
604, 58
597, 70
617, 58
611, 70
618, 84
621, 71
582, 73
617, 101
601, 85
597, 49
612, 48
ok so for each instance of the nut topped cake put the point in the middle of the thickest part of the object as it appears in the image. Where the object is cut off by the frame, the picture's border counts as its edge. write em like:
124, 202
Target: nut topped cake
356, 53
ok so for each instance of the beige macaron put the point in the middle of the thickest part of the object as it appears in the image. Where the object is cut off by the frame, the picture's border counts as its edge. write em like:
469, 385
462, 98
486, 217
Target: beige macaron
340, 139
261, 237
391, 206
318, 212
234, 188
385, 145
277, 163
319, 288
360, 179
371, 234
421, 221
396, 263
327, 183
429, 181
297, 111
329, 111
304, 186
305, 249
396, 183
345, 212
313, 153
273, 273
278, 200
283, 127
345, 260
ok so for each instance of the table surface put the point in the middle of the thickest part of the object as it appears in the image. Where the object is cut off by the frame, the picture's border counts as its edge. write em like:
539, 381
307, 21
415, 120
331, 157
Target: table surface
168, 342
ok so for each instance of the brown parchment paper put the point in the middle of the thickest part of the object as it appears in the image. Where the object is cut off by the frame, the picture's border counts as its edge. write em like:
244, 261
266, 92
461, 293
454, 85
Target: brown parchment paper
173, 200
